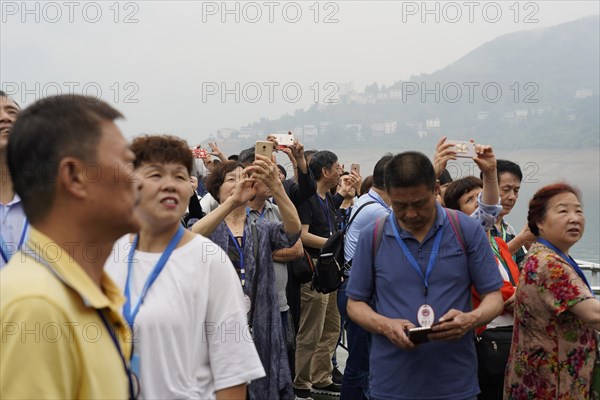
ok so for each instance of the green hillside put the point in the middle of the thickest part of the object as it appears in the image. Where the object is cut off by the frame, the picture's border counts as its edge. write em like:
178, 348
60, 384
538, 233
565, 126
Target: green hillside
536, 88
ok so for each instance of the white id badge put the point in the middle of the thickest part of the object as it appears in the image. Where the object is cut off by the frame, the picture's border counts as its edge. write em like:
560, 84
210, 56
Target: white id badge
425, 316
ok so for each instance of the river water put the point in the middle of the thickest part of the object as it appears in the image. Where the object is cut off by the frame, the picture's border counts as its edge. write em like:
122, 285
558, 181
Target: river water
580, 168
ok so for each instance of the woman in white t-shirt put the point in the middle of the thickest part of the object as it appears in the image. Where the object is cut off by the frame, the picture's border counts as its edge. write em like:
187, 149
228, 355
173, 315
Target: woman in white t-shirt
188, 315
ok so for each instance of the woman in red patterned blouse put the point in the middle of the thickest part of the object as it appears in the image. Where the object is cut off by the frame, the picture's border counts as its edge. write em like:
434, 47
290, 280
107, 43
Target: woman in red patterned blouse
553, 348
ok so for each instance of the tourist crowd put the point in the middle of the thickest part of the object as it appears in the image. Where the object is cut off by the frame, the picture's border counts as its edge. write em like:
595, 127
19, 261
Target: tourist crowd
127, 272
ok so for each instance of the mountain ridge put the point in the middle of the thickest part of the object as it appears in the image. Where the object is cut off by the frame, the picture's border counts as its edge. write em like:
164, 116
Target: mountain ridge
547, 80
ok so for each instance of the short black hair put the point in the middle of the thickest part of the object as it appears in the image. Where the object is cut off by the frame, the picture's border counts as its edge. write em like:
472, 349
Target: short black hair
322, 159
445, 177
379, 171
3, 94
246, 156
45, 132
282, 170
504, 166
456, 189
308, 155
409, 169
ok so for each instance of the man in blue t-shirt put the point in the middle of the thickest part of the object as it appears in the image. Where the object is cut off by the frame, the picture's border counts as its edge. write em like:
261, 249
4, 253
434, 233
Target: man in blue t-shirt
419, 275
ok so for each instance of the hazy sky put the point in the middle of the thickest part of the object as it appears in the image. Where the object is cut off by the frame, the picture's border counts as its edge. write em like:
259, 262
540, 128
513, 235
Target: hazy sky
165, 64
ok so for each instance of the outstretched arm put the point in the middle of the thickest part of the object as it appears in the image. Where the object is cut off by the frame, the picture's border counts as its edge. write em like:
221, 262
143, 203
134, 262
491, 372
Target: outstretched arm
215, 151
486, 161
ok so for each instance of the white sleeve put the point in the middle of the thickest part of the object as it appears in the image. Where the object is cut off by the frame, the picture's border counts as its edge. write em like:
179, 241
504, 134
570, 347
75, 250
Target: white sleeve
208, 203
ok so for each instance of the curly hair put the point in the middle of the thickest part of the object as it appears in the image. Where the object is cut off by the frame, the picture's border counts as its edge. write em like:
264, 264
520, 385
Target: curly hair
162, 149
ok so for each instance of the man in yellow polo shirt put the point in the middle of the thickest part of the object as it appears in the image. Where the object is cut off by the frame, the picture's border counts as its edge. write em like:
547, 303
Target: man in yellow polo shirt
62, 335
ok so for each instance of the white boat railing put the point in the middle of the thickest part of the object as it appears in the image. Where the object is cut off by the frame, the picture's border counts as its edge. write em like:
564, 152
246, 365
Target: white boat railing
592, 273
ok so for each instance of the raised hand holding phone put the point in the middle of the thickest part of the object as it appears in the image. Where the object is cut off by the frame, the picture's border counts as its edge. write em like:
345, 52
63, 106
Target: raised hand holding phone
264, 148
444, 152
283, 139
463, 149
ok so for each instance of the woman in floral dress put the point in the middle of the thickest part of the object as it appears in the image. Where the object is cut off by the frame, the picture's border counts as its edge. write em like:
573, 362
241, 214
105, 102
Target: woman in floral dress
552, 354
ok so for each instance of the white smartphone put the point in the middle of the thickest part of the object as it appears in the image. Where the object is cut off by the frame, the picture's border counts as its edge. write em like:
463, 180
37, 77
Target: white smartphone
284, 139
463, 149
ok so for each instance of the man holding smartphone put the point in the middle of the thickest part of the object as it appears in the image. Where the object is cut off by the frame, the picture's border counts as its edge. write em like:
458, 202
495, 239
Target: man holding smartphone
418, 274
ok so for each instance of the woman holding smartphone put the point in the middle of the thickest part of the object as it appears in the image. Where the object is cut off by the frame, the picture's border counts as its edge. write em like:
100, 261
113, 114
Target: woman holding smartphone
250, 246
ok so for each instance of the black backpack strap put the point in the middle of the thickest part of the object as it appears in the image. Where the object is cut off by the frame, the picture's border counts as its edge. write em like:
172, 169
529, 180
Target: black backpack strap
356, 213
349, 262
255, 277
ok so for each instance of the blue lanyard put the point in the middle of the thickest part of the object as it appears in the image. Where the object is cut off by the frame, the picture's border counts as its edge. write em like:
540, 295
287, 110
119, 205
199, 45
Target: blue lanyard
411, 258
118, 346
379, 201
567, 258
160, 265
240, 251
344, 217
325, 208
5, 255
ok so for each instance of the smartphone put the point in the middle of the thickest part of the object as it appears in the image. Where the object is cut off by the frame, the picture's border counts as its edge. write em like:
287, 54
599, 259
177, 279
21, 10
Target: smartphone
355, 167
418, 335
463, 149
199, 152
284, 139
264, 148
